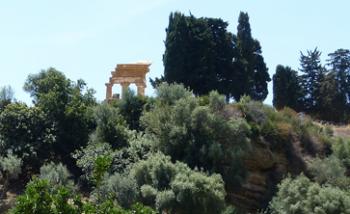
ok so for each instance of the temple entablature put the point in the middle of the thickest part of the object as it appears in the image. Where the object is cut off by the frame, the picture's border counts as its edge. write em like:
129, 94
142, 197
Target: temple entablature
126, 74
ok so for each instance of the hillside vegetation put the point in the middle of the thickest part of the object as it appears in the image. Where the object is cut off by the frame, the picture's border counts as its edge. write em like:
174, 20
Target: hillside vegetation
175, 153
204, 144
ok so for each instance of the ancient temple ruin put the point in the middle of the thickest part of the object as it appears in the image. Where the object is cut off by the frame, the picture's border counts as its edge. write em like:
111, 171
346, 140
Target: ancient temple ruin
126, 74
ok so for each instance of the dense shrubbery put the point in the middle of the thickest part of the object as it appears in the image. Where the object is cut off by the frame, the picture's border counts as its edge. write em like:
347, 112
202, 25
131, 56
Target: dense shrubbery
301, 195
41, 197
341, 150
56, 174
175, 153
200, 136
25, 132
175, 188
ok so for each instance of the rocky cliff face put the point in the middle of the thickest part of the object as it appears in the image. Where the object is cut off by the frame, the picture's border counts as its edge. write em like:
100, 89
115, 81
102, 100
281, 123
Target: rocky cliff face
266, 166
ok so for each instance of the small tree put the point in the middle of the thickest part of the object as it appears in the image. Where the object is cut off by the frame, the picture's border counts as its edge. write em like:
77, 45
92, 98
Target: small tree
6, 96
286, 88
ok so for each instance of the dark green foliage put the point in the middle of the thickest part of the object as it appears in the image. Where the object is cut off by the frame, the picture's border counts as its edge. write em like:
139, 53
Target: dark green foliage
101, 166
339, 62
120, 188
131, 107
252, 76
330, 171
311, 78
138, 148
341, 149
111, 126
41, 198
10, 167
108, 207
86, 158
67, 106
6, 96
286, 88
332, 101
26, 132
201, 54
323, 92
300, 195
198, 135
56, 174
198, 53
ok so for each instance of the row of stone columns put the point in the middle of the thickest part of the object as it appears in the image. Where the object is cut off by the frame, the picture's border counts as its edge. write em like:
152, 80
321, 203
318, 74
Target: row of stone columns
125, 85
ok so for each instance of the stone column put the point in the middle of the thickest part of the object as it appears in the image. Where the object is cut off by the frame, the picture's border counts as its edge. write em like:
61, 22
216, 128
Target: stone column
125, 86
141, 89
109, 91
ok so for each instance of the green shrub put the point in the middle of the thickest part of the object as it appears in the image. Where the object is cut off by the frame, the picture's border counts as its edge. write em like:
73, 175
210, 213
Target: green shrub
26, 133
101, 166
86, 158
341, 149
300, 195
56, 174
199, 135
120, 188
170, 93
111, 126
253, 111
41, 197
10, 166
175, 188
131, 108
216, 101
329, 170
148, 194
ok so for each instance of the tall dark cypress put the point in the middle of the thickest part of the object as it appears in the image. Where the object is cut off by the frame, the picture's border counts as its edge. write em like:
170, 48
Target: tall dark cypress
312, 75
286, 88
339, 62
253, 75
198, 53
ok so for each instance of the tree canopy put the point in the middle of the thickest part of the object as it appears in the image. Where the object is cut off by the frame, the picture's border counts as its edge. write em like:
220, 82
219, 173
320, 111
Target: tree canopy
202, 55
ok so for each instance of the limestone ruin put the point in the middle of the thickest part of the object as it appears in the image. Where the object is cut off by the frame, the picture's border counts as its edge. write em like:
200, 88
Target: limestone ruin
126, 74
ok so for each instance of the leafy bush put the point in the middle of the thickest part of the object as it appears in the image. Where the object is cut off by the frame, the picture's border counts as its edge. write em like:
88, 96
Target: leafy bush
25, 132
56, 174
329, 170
6, 96
111, 126
300, 195
175, 188
86, 158
198, 135
253, 110
198, 192
216, 101
170, 93
148, 194
10, 166
120, 188
131, 108
101, 166
67, 105
341, 149
41, 197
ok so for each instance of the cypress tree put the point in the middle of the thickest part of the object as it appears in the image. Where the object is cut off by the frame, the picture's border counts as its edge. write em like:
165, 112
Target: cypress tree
312, 75
253, 76
286, 88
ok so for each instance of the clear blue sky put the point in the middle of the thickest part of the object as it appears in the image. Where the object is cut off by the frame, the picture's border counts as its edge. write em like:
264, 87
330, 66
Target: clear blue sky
87, 38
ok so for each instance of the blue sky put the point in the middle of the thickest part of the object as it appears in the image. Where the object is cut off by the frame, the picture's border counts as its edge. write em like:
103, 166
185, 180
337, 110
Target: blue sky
87, 38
